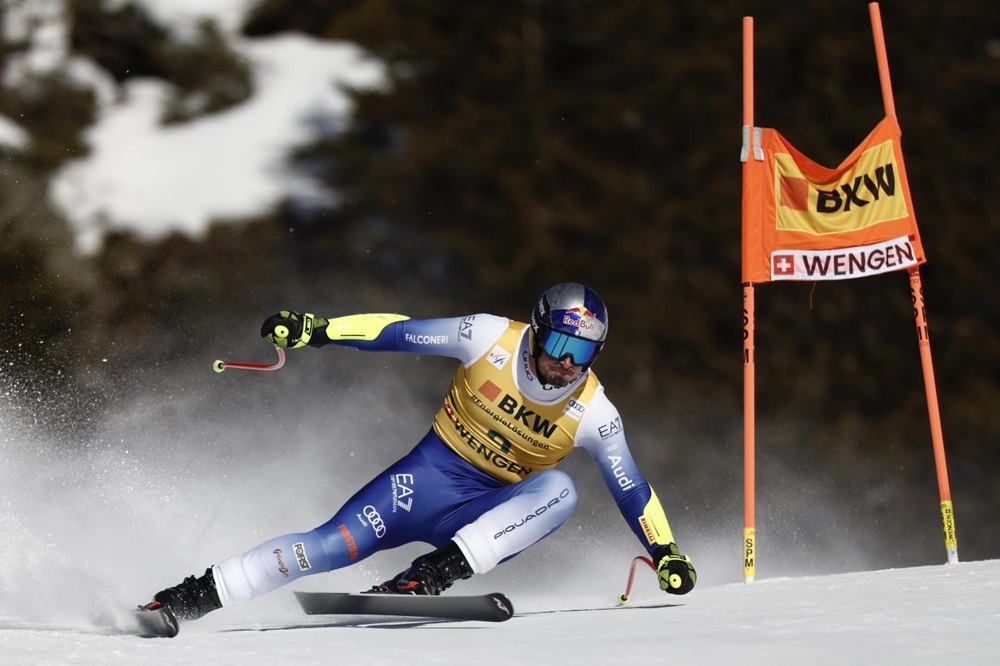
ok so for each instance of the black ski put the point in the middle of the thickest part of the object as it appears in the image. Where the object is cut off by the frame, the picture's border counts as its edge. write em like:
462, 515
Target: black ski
156, 623
493, 607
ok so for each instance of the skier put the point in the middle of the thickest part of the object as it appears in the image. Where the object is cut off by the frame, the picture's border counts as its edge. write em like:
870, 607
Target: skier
481, 486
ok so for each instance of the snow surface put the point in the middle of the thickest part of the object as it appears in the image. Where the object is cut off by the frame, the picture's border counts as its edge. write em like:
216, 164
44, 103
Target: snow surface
946, 614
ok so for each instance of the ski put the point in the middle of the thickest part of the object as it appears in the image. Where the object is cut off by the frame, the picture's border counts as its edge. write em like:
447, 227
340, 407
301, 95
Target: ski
155, 623
493, 607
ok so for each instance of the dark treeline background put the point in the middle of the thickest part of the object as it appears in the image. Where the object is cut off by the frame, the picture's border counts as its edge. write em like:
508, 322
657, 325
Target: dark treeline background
518, 144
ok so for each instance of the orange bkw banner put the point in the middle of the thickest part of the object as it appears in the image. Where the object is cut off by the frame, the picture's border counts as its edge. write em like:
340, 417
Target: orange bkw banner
803, 221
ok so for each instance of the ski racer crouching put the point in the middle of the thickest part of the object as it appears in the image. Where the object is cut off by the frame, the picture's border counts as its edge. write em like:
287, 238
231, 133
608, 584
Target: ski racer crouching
523, 397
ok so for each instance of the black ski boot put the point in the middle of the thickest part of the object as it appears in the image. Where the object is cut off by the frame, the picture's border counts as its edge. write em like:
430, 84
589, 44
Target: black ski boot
192, 599
430, 574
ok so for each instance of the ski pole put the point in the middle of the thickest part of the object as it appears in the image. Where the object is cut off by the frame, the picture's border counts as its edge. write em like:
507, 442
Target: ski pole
219, 366
623, 597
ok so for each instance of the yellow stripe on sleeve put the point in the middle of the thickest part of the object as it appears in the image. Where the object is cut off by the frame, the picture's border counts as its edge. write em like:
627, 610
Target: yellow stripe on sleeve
654, 522
360, 326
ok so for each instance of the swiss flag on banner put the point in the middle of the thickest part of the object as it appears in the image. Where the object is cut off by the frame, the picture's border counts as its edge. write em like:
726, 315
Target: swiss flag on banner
783, 264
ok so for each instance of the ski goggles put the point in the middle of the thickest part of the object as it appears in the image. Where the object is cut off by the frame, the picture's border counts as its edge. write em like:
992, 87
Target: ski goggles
560, 345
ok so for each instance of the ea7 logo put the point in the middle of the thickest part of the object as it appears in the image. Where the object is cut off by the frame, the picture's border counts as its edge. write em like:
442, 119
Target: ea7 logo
402, 491
611, 428
465, 327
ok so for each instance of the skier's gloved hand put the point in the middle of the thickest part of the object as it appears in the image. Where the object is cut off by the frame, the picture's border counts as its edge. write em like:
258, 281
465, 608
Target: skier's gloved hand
676, 574
292, 330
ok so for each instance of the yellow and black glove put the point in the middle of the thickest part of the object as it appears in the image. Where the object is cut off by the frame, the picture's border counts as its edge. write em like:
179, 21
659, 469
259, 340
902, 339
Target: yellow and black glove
676, 574
288, 329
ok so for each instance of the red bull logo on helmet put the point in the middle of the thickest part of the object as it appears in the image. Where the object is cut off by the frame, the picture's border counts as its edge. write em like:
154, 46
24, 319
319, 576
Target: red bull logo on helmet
573, 310
581, 318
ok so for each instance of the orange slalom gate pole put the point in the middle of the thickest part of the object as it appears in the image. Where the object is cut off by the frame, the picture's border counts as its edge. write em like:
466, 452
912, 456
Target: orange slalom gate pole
937, 437
749, 408
749, 383
882, 59
920, 315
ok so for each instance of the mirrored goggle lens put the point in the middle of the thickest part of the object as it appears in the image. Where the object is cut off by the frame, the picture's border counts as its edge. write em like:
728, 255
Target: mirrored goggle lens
559, 345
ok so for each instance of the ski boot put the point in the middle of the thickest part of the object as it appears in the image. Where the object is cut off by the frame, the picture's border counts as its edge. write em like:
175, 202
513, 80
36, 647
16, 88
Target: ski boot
190, 600
430, 574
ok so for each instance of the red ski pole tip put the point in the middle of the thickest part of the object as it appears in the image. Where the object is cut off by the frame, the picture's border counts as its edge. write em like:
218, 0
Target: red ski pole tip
218, 366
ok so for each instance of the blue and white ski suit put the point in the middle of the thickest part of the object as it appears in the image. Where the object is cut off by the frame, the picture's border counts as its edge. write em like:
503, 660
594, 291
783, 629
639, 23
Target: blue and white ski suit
483, 476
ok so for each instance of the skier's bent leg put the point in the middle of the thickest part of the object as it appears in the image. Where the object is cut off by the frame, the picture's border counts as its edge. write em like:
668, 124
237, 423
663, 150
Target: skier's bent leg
243, 577
367, 523
503, 523
270, 565
536, 507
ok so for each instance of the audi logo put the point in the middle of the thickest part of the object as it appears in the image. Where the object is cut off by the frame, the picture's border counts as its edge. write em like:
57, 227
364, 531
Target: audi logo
376, 521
